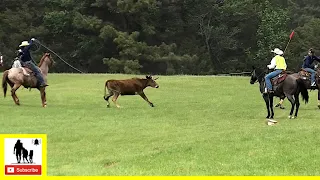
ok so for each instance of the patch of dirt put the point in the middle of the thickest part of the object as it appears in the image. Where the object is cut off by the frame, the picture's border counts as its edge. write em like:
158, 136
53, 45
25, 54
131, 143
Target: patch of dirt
110, 164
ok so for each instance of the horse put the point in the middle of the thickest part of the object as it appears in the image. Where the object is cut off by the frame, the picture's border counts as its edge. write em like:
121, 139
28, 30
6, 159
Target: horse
289, 87
15, 78
306, 77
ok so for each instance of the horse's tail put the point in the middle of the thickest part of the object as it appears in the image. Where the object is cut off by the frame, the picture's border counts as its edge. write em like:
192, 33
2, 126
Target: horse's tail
303, 90
4, 82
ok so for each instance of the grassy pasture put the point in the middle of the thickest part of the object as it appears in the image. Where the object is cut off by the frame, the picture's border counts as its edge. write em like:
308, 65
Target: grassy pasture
199, 126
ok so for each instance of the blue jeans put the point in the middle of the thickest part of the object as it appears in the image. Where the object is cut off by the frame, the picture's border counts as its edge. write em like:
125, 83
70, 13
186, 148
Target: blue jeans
313, 74
35, 69
270, 76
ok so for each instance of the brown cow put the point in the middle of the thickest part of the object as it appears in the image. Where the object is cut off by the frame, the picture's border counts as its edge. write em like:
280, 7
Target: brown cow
128, 87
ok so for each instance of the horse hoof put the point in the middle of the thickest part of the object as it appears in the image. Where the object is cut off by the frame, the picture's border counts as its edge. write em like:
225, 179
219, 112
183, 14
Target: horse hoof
45, 106
319, 106
151, 105
289, 117
281, 107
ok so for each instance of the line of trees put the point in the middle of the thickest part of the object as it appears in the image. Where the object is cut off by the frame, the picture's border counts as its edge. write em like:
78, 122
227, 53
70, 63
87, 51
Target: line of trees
161, 36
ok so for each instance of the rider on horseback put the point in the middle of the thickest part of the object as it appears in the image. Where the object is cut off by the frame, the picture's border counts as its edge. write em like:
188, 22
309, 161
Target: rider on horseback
279, 64
307, 65
27, 61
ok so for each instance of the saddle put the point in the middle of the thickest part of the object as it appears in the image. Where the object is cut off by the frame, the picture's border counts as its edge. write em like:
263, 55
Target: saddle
303, 74
278, 79
27, 70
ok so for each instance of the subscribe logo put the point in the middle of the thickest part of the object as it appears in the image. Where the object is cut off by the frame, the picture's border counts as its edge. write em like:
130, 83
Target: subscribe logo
23, 170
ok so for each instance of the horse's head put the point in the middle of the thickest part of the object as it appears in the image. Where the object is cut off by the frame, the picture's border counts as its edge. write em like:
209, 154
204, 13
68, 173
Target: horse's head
47, 60
256, 75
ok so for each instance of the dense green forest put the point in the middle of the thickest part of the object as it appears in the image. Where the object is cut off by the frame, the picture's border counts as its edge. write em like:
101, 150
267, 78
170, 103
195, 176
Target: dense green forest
161, 36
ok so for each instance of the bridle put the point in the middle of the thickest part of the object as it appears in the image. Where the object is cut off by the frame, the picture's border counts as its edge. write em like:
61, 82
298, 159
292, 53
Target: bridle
258, 76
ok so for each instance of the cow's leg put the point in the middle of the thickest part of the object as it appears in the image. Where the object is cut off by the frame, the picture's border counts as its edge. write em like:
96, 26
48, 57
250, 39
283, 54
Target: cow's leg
107, 98
13, 93
145, 98
114, 99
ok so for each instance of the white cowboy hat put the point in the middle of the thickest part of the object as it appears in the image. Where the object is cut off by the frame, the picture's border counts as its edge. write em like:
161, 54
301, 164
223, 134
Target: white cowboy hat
24, 43
277, 51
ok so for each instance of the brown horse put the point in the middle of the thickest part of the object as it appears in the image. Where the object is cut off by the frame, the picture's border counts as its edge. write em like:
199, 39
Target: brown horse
306, 77
15, 78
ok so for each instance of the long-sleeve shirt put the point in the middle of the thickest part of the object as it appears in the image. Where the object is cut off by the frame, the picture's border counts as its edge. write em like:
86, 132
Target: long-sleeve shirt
273, 64
25, 53
307, 63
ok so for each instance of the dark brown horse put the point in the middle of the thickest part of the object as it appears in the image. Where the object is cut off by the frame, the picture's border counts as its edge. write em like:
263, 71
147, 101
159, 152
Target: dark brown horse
15, 78
306, 78
290, 87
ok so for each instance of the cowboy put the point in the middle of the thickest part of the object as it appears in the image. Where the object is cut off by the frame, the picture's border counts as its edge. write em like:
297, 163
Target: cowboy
307, 65
278, 63
26, 60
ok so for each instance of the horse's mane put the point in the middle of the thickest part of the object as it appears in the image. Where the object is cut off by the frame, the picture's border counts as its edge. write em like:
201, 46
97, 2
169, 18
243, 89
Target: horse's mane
42, 59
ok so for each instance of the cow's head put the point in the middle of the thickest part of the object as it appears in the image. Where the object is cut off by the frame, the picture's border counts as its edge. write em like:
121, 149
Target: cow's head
152, 82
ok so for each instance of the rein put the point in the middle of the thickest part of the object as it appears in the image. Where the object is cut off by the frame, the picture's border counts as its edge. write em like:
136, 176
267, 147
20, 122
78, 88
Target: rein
259, 77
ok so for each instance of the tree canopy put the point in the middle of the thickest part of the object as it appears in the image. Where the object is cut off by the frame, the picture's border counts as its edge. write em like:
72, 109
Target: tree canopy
161, 36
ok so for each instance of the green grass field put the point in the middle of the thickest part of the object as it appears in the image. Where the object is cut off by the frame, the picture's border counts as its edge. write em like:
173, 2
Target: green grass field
199, 126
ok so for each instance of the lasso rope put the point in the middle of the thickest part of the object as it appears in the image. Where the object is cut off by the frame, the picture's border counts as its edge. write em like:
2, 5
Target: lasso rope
58, 56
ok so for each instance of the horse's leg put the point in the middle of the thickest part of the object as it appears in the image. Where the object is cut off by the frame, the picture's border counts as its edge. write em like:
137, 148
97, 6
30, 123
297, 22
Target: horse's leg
271, 105
42, 94
114, 99
296, 96
13, 93
319, 98
266, 100
292, 101
45, 97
